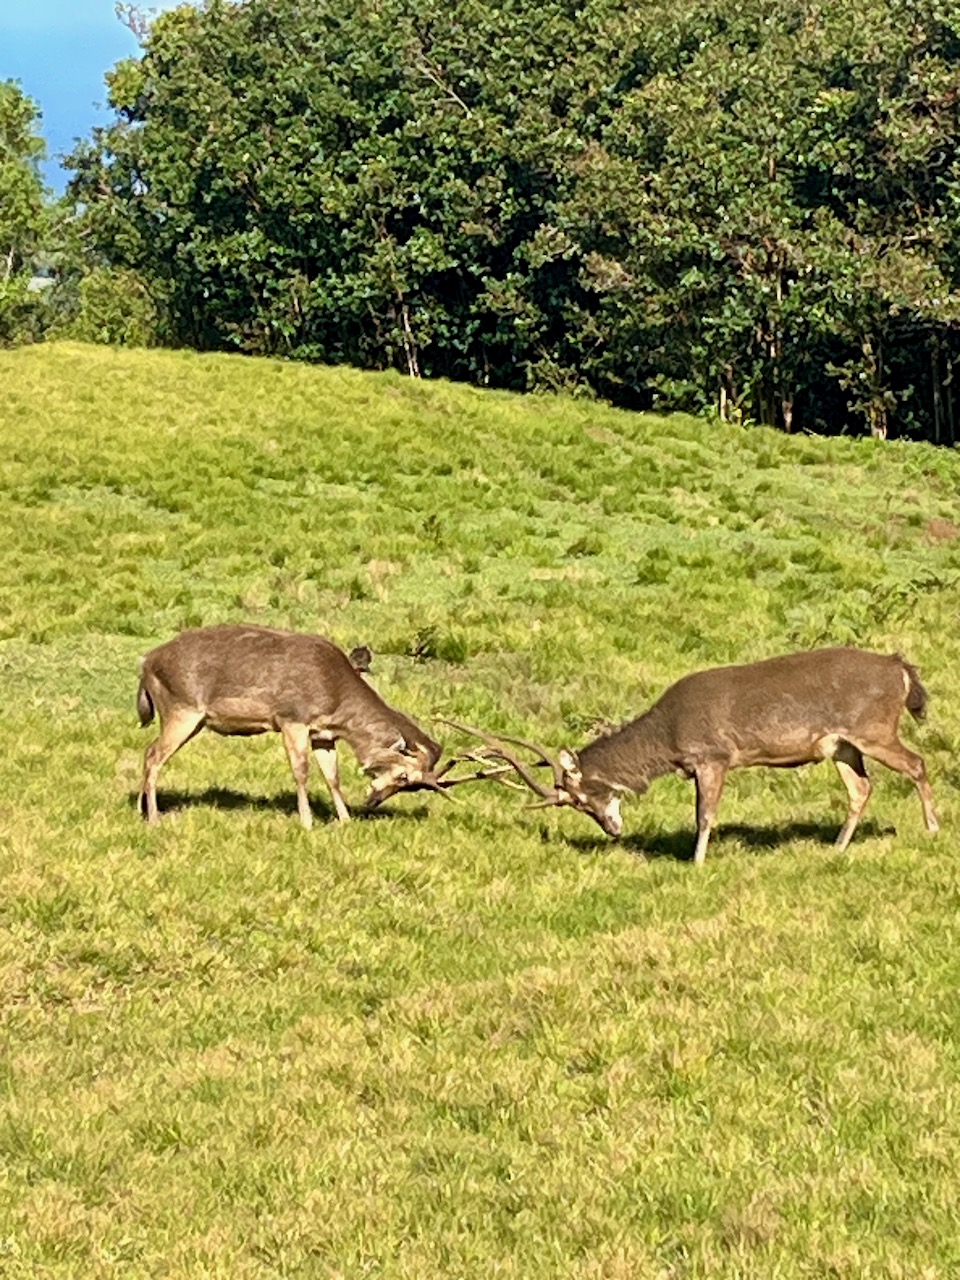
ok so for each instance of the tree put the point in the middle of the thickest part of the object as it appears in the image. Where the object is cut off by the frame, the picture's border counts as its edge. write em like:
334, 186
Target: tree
770, 209
368, 182
22, 212
746, 207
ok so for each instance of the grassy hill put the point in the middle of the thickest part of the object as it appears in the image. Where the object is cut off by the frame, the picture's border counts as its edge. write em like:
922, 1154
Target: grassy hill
460, 1040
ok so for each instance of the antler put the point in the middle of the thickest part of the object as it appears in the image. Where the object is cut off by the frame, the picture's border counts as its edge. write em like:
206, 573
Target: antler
443, 782
480, 758
496, 751
438, 780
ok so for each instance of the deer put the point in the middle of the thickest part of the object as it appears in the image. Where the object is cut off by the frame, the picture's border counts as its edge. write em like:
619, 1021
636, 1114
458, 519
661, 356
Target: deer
240, 679
840, 704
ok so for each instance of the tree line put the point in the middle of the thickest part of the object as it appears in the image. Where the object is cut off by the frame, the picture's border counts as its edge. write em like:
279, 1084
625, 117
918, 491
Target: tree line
747, 208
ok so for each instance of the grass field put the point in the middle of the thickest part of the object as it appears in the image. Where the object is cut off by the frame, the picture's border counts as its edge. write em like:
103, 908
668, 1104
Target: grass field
460, 1040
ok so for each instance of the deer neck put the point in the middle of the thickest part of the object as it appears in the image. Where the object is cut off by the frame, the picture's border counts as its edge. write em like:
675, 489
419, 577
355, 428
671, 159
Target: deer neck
371, 727
631, 757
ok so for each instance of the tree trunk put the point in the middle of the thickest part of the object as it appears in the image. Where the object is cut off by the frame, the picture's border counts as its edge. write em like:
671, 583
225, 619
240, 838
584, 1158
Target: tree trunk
409, 343
876, 405
786, 408
937, 395
948, 383
877, 415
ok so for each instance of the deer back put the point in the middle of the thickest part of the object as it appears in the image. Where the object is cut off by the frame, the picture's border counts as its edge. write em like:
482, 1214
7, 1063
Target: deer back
769, 712
272, 674
251, 679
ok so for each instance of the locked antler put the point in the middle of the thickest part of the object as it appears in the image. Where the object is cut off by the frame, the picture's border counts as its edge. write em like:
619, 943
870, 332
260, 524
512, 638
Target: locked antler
443, 783
497, 751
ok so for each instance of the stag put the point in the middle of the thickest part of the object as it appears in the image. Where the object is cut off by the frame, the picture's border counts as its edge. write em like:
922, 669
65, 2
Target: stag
840, 704
241, 679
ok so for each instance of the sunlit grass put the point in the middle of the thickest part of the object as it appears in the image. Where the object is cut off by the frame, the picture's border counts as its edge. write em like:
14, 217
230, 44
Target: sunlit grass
460, 1040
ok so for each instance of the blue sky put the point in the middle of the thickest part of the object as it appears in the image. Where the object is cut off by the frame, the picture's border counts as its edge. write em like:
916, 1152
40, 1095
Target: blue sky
59, 50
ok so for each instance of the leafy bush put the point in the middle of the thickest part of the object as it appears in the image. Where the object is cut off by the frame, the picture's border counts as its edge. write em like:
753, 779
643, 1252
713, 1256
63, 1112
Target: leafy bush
111, 305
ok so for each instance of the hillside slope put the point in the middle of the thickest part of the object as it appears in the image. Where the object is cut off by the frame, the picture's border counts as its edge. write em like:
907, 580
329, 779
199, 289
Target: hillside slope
459, 1039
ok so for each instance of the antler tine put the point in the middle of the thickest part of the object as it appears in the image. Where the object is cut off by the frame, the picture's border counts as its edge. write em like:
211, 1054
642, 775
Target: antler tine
545, 758
547, 794
431, 784
476, 757
479, 776
440, 782
494, 741
484, 757
473, 757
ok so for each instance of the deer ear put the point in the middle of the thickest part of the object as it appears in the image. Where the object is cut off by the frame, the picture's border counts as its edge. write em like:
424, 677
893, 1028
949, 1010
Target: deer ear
360, 658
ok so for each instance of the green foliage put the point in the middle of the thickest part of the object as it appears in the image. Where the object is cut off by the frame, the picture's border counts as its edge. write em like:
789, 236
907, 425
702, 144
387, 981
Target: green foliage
22, 213
108, 304
465, 1039
341, 182
21, 310
762, 219
747, 210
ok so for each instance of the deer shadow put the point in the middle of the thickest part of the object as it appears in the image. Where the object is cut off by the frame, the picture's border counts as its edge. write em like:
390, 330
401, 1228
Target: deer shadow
679, 843
225, 798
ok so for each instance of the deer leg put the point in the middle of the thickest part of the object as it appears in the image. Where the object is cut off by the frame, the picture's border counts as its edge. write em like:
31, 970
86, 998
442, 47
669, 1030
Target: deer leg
178, 728
853, 772
296, 740
901, 759
327, 760
709, 779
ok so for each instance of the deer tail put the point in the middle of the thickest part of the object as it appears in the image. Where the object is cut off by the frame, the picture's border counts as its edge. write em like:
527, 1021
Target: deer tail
145, 707
917, 696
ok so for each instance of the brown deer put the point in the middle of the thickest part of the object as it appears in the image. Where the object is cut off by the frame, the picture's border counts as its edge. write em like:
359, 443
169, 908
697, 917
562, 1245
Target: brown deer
839, 704
241, 679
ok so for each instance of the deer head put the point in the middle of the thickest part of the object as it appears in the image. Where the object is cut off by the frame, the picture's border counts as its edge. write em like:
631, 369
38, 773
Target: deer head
412, 766
593, 796
405, 765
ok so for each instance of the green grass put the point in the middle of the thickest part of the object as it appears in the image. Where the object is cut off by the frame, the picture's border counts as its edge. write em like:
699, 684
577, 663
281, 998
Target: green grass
460, 1040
